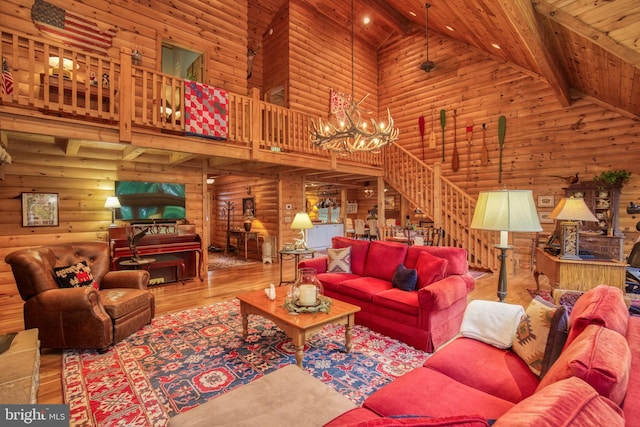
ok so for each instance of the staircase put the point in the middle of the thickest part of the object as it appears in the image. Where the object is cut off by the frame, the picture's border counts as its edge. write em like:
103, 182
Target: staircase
449, 206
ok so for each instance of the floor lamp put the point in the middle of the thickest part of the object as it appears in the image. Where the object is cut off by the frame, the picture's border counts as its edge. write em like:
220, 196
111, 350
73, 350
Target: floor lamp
571, 210
112, 204
301, 222
504, 211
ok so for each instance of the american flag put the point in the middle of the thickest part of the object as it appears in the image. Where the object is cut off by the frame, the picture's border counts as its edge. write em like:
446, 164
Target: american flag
7, 78
73, 30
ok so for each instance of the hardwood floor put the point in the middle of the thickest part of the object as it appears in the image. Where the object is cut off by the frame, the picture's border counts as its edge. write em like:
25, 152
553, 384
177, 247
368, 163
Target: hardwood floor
222, 285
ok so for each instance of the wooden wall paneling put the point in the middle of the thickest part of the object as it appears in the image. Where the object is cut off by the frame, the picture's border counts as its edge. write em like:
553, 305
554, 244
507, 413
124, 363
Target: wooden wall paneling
545, 143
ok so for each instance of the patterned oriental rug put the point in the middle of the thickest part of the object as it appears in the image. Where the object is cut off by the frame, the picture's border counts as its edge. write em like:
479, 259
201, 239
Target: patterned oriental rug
181, 360
218, 261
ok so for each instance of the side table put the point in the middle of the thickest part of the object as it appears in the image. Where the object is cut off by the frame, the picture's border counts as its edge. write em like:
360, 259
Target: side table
295, 255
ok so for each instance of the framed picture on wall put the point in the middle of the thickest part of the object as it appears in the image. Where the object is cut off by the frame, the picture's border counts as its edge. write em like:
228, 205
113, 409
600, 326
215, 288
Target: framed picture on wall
389, 202
544, 218
248, 207
40, 209
546, 201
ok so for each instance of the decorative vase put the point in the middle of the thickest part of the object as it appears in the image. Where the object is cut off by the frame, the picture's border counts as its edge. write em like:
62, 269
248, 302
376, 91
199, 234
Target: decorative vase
307, 290
247, 225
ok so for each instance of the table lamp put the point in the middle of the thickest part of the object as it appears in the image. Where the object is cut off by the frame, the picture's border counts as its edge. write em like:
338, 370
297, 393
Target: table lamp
56, 63
301, 222
504, 211
571, 210
112, 203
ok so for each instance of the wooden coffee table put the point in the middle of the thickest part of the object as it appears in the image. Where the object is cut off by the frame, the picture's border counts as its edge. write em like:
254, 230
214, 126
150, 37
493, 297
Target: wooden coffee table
298, 327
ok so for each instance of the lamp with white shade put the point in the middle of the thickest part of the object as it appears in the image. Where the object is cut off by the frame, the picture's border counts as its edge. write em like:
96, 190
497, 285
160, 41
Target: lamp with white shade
571, 210
65, 64
112, 203
505, 210
301, 222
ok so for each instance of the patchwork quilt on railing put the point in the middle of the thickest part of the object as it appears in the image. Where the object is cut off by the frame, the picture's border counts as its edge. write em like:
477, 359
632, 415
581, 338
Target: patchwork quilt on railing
206, 110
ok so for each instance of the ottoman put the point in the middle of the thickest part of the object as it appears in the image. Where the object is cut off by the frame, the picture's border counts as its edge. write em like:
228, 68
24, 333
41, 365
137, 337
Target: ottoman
287, 397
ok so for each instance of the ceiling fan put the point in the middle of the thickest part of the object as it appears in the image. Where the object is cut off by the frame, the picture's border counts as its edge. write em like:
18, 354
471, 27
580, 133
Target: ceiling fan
427, 65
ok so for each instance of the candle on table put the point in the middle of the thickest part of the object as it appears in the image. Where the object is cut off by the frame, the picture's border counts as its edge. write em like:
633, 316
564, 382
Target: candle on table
307, 295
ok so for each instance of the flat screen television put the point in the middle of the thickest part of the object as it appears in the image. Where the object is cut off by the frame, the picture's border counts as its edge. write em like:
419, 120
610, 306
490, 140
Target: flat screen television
150, 201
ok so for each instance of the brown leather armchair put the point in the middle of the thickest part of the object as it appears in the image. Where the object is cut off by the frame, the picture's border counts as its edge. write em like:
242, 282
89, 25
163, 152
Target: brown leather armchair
81, 317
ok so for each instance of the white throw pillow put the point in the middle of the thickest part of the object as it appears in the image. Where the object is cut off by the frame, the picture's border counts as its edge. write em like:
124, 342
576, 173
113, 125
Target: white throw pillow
339, 260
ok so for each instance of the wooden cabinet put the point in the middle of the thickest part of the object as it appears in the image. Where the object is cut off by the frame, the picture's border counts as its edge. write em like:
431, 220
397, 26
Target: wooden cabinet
319, 237
602, 238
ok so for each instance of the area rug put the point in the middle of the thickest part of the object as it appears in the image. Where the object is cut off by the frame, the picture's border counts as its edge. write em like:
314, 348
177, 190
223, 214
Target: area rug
218, 261
181, 360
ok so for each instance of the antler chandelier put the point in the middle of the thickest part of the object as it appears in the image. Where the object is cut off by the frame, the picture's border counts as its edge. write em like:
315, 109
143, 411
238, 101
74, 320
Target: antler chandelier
351, 132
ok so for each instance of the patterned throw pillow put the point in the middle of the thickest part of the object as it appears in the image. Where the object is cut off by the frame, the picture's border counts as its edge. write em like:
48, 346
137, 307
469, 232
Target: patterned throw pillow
538, 325
75, 276
339, 260
405, 278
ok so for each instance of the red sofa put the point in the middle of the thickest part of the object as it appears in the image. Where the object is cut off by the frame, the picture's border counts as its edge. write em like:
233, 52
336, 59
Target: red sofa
425, 318
594, 382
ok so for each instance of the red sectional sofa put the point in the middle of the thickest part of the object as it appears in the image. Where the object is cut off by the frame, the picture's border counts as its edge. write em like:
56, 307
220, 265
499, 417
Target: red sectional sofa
425, 318
594, 382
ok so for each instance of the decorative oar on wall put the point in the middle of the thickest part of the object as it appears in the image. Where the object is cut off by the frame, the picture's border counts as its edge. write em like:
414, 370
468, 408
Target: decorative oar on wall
502, 128
469, 138
455, 161
421, 127
484, 153
443, 123
432, 135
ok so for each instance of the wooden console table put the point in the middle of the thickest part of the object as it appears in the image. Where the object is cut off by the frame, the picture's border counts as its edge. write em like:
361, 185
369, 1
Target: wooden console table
581, 275
242, 237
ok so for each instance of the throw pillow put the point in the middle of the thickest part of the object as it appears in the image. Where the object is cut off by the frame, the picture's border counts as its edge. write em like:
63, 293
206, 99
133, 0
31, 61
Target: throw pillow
339, 260
532, 335
405, 278
430, 269
75, 276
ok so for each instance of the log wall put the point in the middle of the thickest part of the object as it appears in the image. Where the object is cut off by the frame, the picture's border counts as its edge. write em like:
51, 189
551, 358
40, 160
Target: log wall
82, 185
545, 144
220, 31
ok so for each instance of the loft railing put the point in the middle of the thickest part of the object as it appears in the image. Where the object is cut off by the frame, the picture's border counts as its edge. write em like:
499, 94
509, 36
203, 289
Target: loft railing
439, 199
115, 92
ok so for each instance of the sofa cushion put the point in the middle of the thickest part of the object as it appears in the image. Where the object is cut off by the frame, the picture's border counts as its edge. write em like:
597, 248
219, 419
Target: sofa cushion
457, 257
423, 421
599, 356
383, 258
339, 260
359, 251
570, 402
331, 281
538, 325
121, 302
74, 276
363, 288
498, 372
603, 305
398, 300
430, 269
424, 391
491, 322
405, 278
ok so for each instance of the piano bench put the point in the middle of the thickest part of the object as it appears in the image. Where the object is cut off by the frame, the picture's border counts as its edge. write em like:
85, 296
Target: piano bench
169, 261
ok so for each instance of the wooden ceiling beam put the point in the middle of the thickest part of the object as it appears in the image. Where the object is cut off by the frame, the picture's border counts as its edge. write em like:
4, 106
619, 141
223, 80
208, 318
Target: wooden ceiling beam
522, 17
575, 25
132, 152
177, 158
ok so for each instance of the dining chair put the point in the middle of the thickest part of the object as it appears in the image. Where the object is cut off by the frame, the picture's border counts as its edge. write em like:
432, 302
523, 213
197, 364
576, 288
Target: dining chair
373, 229
360, 232
349, 229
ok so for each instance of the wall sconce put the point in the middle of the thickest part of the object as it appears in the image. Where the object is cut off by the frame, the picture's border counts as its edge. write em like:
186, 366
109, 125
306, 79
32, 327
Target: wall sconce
66, 65
210, 181
248, 189
112, 203
136, 57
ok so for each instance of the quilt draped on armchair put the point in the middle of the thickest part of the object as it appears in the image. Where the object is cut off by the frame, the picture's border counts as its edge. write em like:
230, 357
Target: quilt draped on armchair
206, 110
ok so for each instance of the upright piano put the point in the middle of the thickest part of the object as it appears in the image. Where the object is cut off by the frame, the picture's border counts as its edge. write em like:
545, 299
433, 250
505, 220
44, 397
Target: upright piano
176, 249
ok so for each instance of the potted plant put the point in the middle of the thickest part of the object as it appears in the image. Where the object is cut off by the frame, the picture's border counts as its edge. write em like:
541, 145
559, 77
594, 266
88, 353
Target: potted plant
616, 178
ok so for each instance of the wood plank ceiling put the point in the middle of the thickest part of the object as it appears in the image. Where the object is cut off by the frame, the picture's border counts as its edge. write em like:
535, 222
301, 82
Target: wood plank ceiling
592, 46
